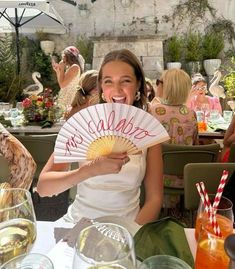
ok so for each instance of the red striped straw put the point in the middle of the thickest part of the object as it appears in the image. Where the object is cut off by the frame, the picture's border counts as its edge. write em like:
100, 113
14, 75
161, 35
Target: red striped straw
208, 207
220, 190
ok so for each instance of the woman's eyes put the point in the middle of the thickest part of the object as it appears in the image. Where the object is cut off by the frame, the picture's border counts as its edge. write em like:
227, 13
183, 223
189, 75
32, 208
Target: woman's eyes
124, 81
107, 81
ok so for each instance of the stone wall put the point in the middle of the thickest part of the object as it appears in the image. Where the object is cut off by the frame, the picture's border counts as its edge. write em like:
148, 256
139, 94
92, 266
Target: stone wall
147, 48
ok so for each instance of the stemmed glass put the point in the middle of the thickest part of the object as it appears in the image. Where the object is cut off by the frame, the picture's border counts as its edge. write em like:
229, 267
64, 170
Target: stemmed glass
17, 223
231, 103
104, 245
210, 248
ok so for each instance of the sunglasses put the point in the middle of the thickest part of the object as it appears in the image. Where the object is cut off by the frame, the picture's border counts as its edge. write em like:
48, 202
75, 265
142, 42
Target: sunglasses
201, 88
158, 81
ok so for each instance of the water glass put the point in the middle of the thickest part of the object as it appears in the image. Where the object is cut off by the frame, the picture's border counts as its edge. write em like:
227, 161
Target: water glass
104, 245
200, 115
228, 115
214, 115
163, 262
30, 261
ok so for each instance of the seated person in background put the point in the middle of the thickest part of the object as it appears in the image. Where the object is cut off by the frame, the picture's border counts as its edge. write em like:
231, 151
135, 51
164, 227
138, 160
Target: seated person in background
87, 93
229, 138
150, 89
21, 164
110, 185
180, 121
198, 100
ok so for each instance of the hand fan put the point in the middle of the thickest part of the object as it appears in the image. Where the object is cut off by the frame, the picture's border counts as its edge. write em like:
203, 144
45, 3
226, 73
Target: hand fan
105, 128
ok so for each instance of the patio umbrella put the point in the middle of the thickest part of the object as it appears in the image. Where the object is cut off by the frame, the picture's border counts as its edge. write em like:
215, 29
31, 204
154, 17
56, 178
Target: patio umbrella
28, 17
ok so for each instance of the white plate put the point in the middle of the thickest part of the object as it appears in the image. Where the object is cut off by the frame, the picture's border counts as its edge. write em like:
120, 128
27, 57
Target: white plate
130, 225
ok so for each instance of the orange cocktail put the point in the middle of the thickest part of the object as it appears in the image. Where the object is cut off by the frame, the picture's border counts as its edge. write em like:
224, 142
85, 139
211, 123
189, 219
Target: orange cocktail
210, 249
225, 224
224, 214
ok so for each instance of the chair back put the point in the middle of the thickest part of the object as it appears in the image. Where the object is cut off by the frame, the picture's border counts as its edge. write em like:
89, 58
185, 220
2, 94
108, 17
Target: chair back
175, 157
209, 173
40, 146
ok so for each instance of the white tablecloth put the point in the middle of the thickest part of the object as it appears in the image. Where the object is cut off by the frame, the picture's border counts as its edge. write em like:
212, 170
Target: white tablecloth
45, 244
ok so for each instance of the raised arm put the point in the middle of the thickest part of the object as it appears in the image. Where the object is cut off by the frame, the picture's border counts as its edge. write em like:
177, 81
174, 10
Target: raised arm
153, 184
55, 178
65, 76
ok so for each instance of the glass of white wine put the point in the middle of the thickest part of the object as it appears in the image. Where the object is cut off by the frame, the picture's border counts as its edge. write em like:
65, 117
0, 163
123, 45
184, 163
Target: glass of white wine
17, 223
104, 246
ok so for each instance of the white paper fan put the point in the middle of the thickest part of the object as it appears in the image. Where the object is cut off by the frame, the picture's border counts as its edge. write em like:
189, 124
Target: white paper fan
104, 128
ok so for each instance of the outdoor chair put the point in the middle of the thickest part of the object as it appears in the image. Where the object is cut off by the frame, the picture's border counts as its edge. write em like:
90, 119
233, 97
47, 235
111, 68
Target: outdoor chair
41, 147
210, 174
175, 157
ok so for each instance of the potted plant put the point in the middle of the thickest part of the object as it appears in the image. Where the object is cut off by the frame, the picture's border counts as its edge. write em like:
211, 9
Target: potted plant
193, 52
85, 46
46, 45
174, 52
213, 44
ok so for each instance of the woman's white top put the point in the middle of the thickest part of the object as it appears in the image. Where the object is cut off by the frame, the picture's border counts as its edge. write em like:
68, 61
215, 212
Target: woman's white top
110, 195
67, 93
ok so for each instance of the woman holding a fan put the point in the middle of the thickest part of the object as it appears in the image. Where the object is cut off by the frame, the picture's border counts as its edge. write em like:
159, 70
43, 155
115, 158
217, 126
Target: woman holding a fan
110, 184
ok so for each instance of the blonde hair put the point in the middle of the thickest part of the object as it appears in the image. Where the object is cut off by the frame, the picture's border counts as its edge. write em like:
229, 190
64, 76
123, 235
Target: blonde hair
176, 86
87, 83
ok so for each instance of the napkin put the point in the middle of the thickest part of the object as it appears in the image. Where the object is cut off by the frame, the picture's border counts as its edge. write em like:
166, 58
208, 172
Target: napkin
70, 235
163, 237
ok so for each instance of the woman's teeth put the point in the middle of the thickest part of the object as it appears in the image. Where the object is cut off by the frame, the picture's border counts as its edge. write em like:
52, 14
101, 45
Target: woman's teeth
119, 99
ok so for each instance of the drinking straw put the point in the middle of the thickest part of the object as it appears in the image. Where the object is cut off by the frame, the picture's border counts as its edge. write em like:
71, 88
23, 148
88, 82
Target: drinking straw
208, 208
220, 190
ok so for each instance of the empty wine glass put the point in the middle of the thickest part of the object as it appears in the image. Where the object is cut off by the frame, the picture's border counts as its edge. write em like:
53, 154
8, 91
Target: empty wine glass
17, 223
29, 261
231, 103
104, 245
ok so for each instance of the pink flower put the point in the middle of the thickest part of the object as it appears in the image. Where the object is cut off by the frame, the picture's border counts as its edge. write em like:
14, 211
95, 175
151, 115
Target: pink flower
48, 104
27, 103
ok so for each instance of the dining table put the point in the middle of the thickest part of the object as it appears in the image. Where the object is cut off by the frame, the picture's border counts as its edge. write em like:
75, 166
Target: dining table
62, 255
35, 129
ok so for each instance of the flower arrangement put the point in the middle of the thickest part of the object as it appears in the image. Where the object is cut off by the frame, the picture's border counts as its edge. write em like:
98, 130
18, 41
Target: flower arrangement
39, 109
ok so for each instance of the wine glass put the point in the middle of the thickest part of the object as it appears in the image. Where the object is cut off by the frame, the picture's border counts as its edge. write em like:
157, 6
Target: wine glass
29, 261
231, 103
17, 223
104, 245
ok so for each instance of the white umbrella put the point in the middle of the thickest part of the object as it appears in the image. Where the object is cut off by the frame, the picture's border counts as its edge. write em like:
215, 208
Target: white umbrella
29, 17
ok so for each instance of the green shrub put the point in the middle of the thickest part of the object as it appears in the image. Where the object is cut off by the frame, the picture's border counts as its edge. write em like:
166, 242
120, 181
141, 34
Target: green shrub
213, 44
193, 47
229, 80
174, 47
85, 46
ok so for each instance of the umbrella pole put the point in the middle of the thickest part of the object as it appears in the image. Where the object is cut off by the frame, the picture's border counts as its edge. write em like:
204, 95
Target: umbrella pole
17, 42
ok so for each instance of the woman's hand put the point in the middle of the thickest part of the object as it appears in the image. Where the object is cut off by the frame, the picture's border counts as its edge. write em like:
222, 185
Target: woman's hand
58, 67
110, 164
193, 91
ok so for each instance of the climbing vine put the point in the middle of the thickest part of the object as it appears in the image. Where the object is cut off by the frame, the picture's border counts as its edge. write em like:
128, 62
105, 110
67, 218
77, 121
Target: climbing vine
192, 10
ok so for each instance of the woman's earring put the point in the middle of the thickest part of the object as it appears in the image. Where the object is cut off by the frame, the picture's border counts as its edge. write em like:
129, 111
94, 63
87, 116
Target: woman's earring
137, 96
103, 97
